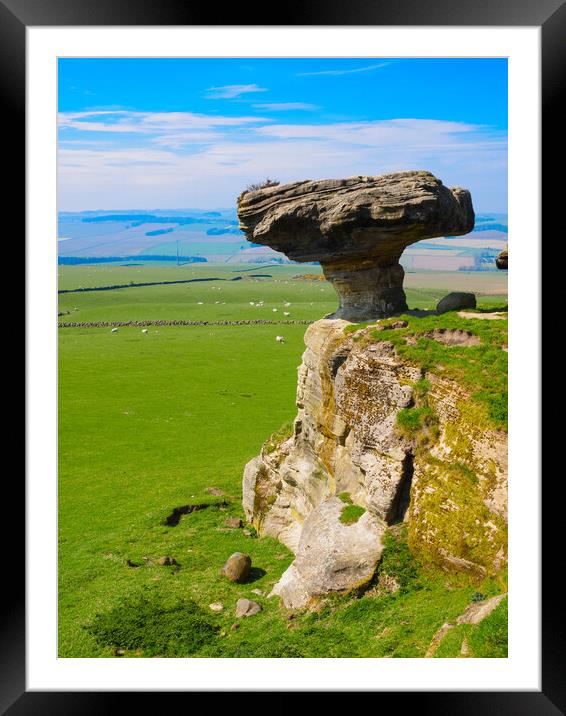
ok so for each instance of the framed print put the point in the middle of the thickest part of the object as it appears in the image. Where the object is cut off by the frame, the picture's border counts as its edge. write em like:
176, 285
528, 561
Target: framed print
283, 434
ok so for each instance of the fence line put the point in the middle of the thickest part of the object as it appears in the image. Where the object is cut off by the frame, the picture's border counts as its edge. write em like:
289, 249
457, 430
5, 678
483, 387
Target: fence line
159, 322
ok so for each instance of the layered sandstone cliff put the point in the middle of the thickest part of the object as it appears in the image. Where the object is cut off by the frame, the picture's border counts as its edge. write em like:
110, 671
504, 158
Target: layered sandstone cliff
448, 483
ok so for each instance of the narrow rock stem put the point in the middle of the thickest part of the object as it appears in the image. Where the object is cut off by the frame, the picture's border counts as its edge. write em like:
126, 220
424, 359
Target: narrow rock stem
367, 292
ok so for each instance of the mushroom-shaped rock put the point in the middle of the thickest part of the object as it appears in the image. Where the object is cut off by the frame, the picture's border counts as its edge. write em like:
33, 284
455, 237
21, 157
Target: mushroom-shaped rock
357, 228
502, 260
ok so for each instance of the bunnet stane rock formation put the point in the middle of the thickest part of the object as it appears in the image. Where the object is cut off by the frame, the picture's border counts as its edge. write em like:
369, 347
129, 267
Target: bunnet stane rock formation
357, 228
345, 441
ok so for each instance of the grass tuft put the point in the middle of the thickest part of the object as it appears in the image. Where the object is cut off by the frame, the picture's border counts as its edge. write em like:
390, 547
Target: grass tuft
278, 437
398, 563
146, 625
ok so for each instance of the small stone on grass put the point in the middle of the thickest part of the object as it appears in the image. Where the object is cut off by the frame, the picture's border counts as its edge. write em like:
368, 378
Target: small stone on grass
247, 608
166, 561
233, 522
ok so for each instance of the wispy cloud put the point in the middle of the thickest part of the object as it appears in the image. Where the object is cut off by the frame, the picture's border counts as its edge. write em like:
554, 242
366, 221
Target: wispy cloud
146, 122
192, 162
368, 68
286, 106
167, 129
232, 91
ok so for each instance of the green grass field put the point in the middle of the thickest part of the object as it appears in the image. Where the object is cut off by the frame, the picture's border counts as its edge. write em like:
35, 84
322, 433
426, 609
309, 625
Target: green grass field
148, 422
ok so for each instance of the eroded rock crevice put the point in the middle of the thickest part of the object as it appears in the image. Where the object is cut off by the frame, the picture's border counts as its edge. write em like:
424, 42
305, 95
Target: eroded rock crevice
400, 506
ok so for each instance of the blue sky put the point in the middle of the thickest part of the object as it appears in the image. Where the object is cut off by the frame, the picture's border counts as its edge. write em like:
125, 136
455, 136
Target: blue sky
178, 133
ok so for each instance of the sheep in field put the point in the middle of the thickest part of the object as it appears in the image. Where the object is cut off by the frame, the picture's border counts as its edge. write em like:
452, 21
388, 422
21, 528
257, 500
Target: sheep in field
279, 339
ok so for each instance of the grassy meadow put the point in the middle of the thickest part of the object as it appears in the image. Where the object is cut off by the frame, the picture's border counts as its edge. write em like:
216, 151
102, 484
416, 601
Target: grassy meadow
150, 422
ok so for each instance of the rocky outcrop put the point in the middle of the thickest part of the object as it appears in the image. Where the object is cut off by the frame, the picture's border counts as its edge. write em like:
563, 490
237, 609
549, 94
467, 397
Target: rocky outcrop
357, 228
347, 447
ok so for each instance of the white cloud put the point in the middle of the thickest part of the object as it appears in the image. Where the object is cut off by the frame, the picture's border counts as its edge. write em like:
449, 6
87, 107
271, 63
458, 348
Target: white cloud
207, 165
232, 91
286, 106
368, 68
123, 121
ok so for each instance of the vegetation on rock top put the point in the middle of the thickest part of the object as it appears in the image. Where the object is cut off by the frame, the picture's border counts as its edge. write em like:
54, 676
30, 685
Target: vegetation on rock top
480, 369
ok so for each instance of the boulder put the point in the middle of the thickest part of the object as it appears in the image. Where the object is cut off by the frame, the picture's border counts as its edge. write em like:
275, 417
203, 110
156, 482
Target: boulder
357, 228
501, 260
332, 557
214, 491
233, 522
456, 301
247, 608
237, 567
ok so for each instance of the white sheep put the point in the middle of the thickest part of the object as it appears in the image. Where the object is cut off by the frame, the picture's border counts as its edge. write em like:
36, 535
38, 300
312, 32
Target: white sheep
144, 330
114, 330
274, 310
286, 313
279, 339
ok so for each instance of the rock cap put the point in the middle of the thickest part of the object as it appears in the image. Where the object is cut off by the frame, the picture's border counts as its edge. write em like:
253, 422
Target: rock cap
357, 228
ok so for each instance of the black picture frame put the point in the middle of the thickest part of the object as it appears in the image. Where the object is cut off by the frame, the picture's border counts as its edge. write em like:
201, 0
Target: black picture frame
550, 16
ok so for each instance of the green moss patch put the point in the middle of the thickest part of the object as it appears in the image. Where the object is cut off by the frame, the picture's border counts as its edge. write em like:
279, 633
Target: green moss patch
419, 422
452, 513
411, 420
351, 514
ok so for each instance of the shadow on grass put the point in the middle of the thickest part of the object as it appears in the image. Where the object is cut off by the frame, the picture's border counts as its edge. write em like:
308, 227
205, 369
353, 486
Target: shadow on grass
255, 574
175, 517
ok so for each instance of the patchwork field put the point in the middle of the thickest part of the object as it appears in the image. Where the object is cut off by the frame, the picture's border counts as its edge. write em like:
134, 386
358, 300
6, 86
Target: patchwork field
149, 422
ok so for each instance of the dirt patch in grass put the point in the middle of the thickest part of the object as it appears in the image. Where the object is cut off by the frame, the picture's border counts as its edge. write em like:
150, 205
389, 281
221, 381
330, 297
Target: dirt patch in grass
174, 518
448, 337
